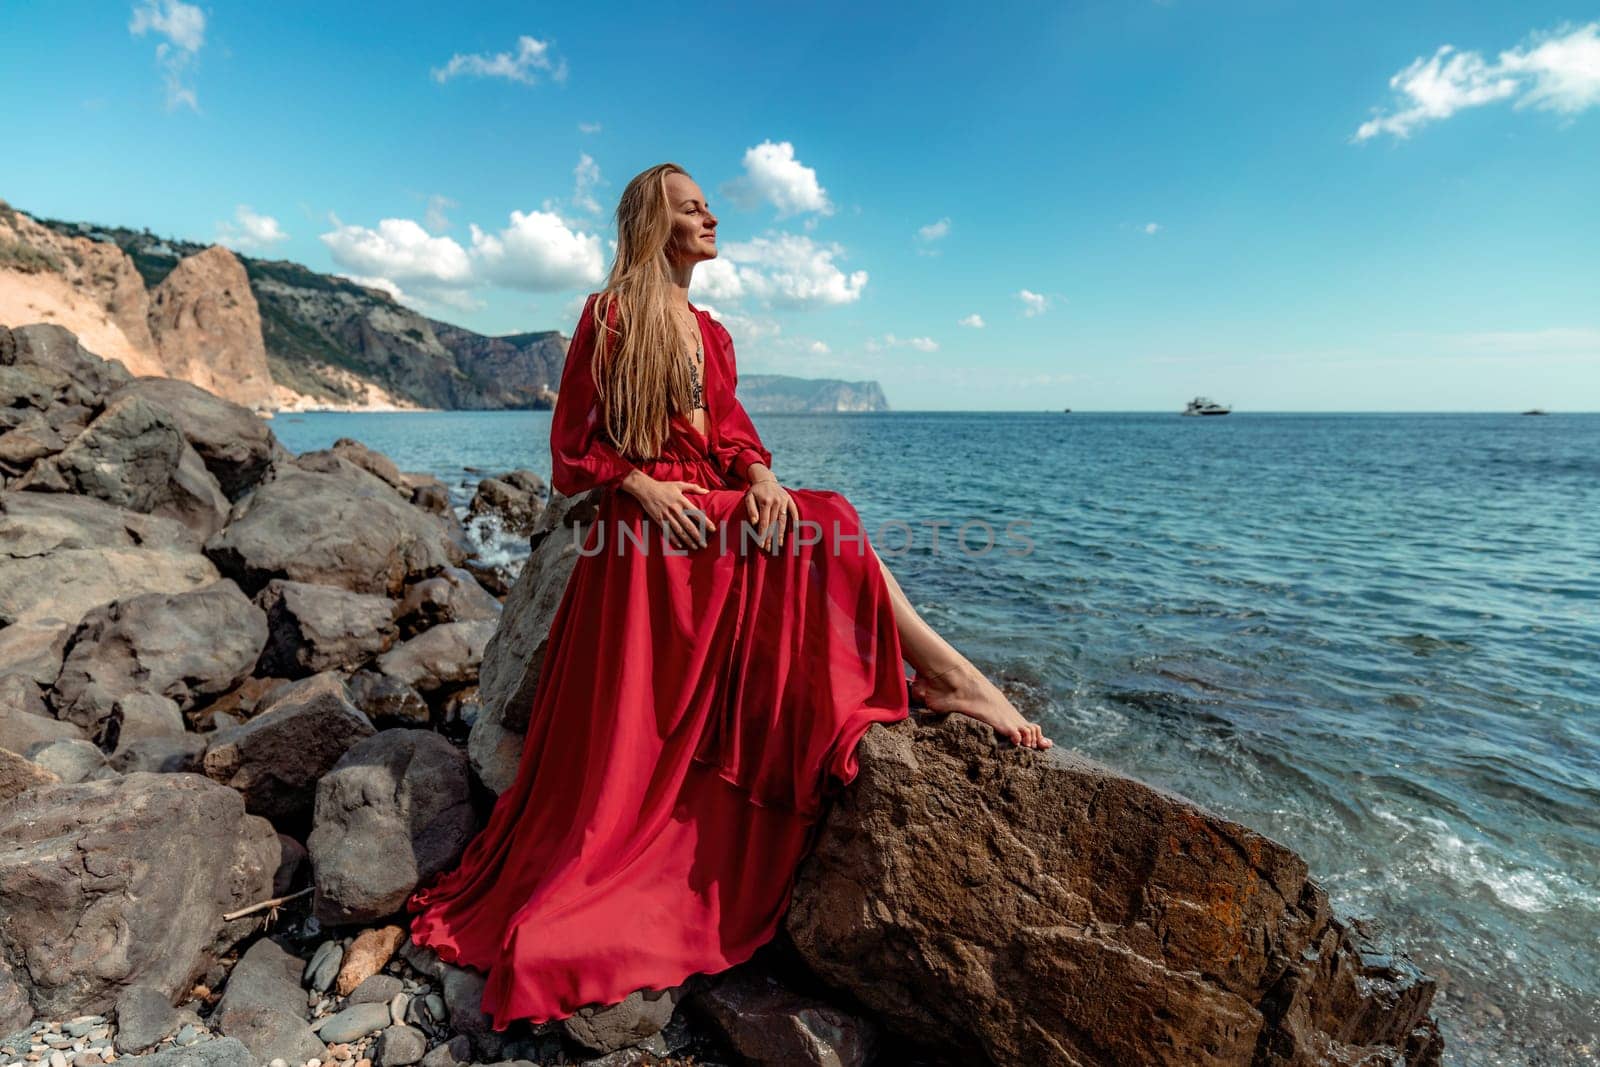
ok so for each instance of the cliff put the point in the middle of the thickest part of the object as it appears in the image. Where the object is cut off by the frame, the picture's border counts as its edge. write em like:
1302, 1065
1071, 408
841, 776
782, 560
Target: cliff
780, 393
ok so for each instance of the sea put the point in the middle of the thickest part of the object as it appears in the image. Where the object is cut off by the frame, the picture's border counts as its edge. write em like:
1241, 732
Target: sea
1372, 637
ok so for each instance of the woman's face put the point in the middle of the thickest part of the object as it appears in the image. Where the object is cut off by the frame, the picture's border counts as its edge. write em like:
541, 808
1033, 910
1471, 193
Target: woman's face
693, 225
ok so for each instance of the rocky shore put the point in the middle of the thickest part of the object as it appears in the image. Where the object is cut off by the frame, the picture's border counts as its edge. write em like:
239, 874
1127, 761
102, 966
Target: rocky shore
249, 700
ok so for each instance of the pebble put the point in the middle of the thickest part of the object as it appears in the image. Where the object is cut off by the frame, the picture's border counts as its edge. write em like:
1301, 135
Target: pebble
188, 1035
397, 1009
58, 1059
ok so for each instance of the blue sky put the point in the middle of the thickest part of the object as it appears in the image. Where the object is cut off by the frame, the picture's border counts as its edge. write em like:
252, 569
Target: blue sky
1268, 203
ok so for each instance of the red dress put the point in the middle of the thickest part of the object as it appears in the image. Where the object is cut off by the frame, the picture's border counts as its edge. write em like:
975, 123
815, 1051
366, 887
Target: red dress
694, 710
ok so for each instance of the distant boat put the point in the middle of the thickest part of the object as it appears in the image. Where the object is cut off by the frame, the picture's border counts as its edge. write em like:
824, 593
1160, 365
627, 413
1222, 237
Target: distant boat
1534, 411
1066, 411
1202, 406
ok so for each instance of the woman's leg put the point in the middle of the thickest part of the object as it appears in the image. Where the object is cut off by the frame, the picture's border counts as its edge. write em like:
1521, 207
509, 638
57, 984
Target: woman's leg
947, 681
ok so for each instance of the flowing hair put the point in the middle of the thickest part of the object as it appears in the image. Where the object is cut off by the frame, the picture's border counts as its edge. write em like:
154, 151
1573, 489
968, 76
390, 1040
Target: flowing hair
640, 378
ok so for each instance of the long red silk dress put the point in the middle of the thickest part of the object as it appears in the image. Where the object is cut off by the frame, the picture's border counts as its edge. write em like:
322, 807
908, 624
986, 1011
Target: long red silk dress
694, 710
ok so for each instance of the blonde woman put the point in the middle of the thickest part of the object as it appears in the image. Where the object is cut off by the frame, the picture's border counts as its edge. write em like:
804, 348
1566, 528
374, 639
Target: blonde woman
721, 647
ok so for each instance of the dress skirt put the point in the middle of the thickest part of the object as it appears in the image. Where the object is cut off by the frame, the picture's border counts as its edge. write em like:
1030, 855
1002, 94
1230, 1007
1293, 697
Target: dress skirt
695, 710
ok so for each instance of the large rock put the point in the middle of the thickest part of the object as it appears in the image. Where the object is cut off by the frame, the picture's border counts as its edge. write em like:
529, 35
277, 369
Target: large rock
277, 757
347, 529
135, 456
53, 355
1030, 908
445, 657
637, 1017
264, 1006
317, 627
374, 463
206, 323
21, 732
222, 1052
452, 595
395, 811
18, 776
126, 880
184, 647
234, 443
768, 1025
516, 500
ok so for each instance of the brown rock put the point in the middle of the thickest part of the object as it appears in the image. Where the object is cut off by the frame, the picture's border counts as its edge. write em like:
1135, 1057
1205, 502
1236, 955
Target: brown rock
366, 956
18, 775
207, 327
768, 1025
1037, 908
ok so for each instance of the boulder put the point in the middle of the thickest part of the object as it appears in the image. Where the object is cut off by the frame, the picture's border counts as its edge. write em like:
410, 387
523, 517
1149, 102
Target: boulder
1026, 908
185, 647
33, 650
346, 529
387, 701
636, 1018
277, 757
109, 883
265, 1008
21, 732
444, 657
514, 657
768, 1025
232, 441
395, 811
222, 1052
145, 1016
205, 321
54, 353
133, 455
31, 439
374, 463
452, 595
17, 776
514, 500
315, 628
72, 760
176, 754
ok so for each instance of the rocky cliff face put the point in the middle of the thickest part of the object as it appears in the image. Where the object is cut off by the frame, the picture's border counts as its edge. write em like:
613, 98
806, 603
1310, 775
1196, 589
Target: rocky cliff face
207, 328
779, 392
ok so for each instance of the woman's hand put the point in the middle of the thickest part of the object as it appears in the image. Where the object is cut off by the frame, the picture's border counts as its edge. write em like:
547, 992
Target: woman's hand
668, 503
772, 511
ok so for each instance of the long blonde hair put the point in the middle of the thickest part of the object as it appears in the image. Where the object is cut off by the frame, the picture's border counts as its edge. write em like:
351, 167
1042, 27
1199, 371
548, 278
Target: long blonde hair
639, 373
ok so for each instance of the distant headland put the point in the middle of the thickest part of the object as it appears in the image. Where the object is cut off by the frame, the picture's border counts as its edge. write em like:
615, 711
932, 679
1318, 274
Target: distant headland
274, 335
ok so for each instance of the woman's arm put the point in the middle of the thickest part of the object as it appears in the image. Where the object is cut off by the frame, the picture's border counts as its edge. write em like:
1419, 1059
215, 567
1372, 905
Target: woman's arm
739, 450
580, 457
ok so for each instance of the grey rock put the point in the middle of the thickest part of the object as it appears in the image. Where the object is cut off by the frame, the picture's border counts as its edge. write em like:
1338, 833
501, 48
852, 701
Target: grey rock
354, 1022
767, 1025
513, 506
266, 978
324, 966
400, 1046
109, 883
298, 735
271, 1035
639, 1016
375, 989
455, 1051
186, 647
18, 775
463, 998
345, 529
144, 1017
452, 595
233, 442
291, 860
446, 656
387, 701
317, 627
76, 373
394, 811
72, 761
423, 960
374, 463
33, 650
133, 455
223, 1052
160, 755
21, 732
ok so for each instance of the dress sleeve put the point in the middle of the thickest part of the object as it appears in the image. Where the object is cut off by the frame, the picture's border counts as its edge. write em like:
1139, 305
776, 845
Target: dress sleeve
580, 457
738, 444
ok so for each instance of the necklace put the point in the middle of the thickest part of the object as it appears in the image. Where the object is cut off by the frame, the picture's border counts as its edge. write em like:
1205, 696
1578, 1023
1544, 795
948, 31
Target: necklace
696, 388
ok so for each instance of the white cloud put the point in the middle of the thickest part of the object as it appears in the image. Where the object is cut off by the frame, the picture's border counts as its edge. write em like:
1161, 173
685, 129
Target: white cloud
889, 340
538, 252
1151, 228
1032, 303
436, 219
820, 348
773, 175
933, 231
585, 177
588, 127
973, 320
384, 284
530, 59
249, 230
793, 270
716, 279
399, 250
743, 327
184, 27
1557, 71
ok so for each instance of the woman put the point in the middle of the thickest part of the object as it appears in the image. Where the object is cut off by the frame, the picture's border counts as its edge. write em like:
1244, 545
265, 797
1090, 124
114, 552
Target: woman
703, 688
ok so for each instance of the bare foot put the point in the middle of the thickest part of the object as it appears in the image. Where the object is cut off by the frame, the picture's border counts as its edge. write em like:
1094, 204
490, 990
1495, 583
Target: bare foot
964, 689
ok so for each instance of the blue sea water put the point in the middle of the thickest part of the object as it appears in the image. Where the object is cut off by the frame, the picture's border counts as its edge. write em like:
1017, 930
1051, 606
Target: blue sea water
1372, 637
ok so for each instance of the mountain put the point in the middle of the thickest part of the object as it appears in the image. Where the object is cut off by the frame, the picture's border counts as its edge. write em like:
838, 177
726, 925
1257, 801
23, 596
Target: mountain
779, 392
272, 334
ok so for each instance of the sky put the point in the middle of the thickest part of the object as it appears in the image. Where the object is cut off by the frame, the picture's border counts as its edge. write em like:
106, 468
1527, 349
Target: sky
1103, 206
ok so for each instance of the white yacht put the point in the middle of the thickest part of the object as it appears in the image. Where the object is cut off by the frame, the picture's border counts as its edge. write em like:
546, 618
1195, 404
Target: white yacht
1202, 406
